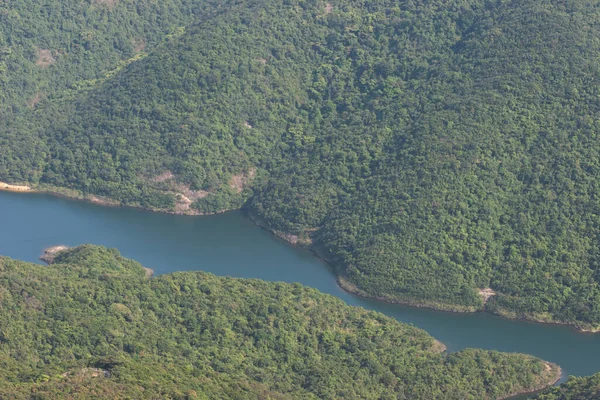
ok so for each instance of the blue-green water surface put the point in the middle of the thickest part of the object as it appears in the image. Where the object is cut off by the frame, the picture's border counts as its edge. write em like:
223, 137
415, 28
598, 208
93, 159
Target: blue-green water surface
230, 244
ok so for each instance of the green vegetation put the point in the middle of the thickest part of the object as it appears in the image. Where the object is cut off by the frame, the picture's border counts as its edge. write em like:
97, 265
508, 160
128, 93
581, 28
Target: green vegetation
429, 149
575, 388
92, 324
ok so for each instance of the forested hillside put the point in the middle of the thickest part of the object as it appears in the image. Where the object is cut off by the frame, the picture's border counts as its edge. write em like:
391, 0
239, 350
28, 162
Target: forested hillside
576, 388
93, 325
428, 149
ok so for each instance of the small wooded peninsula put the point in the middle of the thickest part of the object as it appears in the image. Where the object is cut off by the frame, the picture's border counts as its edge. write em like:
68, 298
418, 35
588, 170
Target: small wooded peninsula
93, 325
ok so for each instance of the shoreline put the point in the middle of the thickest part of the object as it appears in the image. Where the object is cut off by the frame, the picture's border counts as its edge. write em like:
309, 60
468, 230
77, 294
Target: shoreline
73, 194
550, 376
7, 187
557, 374
353, 289
293, 240
349, 287
50, 253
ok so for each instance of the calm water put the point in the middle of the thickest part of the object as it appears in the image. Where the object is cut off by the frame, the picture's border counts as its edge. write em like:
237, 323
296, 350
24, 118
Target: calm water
230, 244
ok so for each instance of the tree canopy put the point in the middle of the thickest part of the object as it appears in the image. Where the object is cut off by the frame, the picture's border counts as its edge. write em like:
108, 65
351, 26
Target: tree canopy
576, 388
94, 325
429, 149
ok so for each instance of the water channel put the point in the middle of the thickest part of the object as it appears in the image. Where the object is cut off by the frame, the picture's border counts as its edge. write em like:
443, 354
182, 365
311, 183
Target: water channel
230, 244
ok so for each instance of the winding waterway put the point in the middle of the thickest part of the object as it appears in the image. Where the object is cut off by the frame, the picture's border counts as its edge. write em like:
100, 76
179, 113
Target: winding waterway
230, 244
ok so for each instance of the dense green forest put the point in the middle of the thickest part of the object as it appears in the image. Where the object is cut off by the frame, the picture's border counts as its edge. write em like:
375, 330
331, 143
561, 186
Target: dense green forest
427, 149
93, 324
575, 388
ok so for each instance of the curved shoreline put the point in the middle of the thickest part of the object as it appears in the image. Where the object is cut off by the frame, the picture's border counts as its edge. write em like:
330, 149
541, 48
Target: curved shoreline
293, 240
555, 372
352, 289
349, 287
547, 378
73, 194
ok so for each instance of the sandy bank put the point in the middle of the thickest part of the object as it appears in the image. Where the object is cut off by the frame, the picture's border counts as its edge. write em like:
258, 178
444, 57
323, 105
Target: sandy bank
14, 188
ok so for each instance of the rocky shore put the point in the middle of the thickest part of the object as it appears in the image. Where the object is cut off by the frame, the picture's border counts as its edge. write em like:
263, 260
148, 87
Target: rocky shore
51, 252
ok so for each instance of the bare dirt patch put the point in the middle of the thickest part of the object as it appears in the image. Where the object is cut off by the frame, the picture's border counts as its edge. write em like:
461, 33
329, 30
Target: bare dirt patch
14, 188
183, 203
44, 58
438, 347
186, 197
88, 373
102, 201
39, 96
486, 293
288, 237
138, 45
165, 176
238, 182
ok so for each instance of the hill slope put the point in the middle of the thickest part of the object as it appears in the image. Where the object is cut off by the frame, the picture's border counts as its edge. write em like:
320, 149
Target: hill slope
92, 324
576, 388
430, 150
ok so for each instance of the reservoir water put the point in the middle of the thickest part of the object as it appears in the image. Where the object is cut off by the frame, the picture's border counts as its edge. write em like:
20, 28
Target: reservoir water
230, 244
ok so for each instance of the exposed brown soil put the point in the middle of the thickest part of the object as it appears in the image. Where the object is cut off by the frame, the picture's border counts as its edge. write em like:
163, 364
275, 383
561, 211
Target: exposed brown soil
186, 197
238, 182
165, 176
44, 58
438, 347
288, 237
31, 103
87, 373
486, 293
138, 45
102, 201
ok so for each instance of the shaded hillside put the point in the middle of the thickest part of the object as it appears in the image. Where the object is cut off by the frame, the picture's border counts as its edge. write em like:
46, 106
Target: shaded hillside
49, 47
431, 150
92, 325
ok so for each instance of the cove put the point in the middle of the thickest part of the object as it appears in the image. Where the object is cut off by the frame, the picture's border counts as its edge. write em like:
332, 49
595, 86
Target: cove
230, 244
